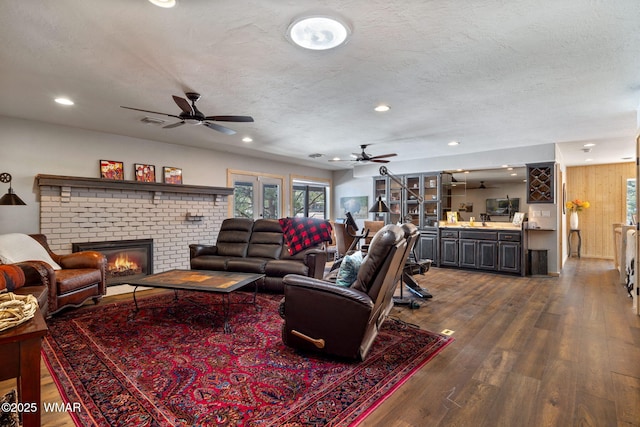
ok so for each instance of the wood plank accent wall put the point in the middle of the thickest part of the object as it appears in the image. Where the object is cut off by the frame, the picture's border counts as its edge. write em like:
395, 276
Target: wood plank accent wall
604, 186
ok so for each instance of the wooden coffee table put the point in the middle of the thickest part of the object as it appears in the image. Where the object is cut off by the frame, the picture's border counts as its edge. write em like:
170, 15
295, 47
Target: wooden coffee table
220, 282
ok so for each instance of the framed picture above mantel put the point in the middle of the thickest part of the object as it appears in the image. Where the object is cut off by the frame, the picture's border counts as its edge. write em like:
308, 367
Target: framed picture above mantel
145, 173
110, 169
172, 175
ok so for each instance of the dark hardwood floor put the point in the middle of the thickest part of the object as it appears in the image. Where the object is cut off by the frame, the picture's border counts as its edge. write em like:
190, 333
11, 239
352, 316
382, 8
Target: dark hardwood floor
556, 351
561, 351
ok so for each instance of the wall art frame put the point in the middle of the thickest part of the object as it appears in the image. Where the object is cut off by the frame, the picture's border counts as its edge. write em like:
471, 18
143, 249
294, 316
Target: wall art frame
172, 175
144, 172
111, 169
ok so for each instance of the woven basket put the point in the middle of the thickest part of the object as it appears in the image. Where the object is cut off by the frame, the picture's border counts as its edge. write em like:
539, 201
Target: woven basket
16, 309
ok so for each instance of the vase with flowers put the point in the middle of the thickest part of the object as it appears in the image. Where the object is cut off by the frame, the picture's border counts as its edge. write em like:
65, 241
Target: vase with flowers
576, 206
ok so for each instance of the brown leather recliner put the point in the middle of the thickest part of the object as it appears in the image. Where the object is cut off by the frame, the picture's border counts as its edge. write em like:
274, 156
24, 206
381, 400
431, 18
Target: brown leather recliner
36, 283
83, 276
321, 316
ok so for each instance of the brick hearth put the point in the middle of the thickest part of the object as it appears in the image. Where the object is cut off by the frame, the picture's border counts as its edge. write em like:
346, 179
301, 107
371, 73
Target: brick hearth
87, 210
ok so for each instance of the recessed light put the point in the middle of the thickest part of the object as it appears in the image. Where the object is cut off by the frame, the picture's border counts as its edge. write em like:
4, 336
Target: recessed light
336, 159
453, 143
588, 160
164, 3
318, 32
64, 101
382, 108
247, 139
590, 144
514, 174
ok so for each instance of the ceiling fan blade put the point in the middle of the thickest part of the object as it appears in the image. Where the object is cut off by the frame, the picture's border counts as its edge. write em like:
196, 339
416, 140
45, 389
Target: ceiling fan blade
152, 112
173, 125
183, 104
219, 128
342, 160
230, 118
378, 161
382, 156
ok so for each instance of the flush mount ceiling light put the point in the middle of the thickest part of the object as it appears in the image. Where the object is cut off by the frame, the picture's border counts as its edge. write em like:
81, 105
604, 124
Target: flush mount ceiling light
64, 101
382, 108
164, 3
318, 32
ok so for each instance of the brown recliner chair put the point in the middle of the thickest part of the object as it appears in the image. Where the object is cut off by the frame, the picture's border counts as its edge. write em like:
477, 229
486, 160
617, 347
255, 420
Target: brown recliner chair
83, 276
321, 316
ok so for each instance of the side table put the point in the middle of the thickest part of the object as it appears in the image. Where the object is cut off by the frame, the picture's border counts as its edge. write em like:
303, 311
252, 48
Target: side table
20, 358
571, 233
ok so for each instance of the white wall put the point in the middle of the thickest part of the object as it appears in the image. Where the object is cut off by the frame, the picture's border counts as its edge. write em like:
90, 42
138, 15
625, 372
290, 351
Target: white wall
29, 148
346, 185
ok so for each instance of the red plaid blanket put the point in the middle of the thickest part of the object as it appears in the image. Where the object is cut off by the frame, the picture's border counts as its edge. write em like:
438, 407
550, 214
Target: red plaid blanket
302, 233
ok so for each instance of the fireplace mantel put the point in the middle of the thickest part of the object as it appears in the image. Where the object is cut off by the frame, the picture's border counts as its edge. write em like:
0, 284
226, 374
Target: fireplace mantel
74, 181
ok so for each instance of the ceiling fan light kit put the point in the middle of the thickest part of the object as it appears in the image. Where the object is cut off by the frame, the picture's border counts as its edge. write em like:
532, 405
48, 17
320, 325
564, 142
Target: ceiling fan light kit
316, 32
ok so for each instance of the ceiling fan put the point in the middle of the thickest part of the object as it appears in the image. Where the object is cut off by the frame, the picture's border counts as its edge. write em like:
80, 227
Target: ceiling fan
482, 186
191, 115
364, 157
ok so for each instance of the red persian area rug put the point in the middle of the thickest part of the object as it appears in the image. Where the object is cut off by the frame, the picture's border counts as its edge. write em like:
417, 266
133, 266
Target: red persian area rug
171, 364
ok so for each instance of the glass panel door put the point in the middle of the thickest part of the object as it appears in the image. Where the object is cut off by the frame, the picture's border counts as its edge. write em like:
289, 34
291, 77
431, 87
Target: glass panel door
256, 197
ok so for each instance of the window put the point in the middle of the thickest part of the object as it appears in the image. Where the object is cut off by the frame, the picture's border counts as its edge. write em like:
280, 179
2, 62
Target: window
631, 201
310, 199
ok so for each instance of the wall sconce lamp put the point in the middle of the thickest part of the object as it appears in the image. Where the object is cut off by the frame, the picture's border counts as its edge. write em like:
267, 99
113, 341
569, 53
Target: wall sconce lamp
10, 198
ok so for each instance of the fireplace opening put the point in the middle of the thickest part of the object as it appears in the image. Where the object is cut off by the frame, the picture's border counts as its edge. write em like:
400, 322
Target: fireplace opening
126, 259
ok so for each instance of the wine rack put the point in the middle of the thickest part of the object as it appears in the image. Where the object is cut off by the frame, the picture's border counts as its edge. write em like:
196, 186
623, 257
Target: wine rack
540, 183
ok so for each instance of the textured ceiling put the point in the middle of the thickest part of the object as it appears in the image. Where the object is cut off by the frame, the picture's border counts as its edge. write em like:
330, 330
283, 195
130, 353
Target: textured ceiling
487, 73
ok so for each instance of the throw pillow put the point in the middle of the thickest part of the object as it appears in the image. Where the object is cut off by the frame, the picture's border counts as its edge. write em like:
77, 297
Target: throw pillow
11, 277
302, 233
18, 247
349, 267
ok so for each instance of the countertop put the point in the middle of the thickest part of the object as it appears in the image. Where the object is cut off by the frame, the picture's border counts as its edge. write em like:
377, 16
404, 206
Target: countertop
491, 225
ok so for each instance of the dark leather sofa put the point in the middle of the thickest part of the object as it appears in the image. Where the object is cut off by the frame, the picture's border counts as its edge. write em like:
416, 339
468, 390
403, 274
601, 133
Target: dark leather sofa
249, 246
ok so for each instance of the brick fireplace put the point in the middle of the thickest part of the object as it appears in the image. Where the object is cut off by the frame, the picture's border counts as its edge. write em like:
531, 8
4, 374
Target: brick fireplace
88, 210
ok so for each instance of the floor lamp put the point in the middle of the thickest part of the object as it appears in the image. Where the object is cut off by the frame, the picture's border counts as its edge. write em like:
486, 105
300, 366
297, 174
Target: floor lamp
422, 266
380, 207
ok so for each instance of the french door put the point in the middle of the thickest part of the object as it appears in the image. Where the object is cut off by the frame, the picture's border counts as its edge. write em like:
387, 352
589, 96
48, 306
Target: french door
256, 196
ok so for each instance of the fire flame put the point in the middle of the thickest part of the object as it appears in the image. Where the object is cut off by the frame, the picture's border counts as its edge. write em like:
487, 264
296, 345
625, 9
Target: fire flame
122, 263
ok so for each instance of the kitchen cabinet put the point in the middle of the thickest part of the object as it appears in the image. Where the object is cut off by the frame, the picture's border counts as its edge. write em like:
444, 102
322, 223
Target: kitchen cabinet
428, 246
424, 201
540, 183
482, 249
448, 248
